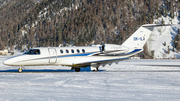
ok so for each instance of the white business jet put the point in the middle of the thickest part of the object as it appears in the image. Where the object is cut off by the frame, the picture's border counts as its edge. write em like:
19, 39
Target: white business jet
81, 57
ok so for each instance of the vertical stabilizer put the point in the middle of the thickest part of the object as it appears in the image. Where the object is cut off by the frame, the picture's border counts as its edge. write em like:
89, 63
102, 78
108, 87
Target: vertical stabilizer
140, 37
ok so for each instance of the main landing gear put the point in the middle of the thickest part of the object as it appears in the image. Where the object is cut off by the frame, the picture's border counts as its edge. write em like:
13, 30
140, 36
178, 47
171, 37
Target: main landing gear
20, 69
76, 69
94, 67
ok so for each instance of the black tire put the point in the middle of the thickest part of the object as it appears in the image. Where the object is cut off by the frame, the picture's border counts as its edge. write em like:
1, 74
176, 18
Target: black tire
96, 70
20, 70
77, 69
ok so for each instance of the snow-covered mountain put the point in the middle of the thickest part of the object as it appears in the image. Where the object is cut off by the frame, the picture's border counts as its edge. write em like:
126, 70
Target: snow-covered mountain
162, 38
50, 23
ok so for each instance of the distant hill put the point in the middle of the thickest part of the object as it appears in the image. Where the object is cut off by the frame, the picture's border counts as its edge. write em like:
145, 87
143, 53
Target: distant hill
164, 42
42, 23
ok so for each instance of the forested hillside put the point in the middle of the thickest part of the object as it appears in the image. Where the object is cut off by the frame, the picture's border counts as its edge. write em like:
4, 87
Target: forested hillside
42, 23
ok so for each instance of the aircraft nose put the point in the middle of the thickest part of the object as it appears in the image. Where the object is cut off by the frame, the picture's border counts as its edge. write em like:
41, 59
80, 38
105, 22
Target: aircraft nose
7, 62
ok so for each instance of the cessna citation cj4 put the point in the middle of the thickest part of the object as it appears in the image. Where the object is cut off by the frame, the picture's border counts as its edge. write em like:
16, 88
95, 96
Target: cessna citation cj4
81, 57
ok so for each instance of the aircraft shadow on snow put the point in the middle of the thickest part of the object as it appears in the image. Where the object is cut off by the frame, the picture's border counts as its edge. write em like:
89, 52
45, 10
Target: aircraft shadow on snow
82, 70
87, 69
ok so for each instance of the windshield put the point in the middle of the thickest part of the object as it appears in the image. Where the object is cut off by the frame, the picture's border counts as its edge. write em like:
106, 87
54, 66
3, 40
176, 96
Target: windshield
32, 51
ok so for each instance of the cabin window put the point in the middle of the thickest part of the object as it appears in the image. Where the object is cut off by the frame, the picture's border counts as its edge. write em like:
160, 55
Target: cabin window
67, 51
32, 51
61, 51
78, 51
72, 50
83, 50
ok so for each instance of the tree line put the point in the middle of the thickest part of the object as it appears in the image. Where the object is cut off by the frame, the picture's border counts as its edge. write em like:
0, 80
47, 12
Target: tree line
77, 22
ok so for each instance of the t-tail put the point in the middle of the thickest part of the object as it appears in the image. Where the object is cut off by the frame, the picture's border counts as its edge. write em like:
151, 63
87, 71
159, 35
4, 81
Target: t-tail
138, 39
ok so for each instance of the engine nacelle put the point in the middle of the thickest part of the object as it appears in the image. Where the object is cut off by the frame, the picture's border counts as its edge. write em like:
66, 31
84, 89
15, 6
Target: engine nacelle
113, 49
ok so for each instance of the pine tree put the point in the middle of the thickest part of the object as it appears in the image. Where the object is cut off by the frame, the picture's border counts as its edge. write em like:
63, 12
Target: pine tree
162, 21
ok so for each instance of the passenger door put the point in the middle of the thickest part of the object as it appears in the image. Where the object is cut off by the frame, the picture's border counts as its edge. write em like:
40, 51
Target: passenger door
52, 55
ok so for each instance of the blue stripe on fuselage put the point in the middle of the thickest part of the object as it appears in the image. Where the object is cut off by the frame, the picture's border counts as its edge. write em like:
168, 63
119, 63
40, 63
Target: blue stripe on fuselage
82, 54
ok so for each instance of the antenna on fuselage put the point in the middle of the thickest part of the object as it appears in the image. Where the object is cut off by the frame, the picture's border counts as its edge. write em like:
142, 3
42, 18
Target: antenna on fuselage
102, 48
60, 45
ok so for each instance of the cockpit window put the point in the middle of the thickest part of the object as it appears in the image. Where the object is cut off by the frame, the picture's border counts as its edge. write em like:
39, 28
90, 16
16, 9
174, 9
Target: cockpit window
37, 51
33, 51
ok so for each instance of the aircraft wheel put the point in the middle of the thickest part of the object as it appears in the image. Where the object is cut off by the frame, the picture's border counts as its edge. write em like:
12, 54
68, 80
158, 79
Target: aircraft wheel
95, 70
20, 70
77, 69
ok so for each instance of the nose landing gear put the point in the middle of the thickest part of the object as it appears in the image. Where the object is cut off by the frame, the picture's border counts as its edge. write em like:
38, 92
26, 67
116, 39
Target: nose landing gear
20, 69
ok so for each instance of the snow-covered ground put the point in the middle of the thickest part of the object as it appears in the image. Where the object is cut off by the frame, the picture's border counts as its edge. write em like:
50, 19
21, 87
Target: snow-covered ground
130, 80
